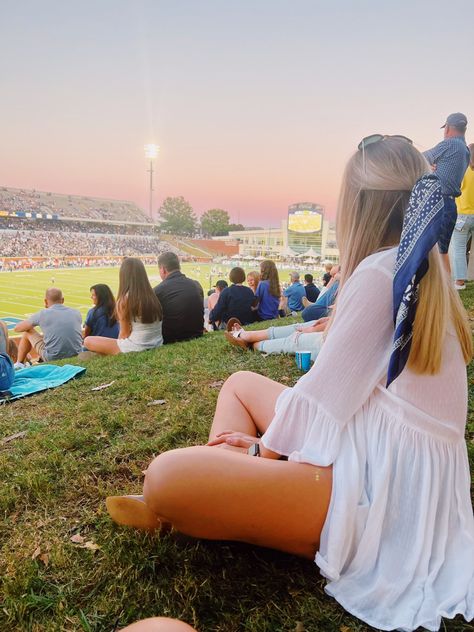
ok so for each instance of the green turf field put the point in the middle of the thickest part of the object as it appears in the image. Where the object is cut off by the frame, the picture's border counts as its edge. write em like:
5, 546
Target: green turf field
22, 293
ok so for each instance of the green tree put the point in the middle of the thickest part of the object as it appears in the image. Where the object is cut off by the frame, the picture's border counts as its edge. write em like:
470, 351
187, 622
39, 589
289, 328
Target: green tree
236, 227
177, 217
215, 222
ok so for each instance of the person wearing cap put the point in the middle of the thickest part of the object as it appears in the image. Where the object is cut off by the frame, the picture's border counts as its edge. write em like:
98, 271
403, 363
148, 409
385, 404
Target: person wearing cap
294, 293
449, 160
464, 226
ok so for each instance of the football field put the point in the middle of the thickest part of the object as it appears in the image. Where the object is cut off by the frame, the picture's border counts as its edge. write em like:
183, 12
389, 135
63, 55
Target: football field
22, 292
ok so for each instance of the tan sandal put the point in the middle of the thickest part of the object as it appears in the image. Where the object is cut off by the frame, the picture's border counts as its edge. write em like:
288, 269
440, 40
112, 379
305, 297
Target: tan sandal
231, 324
237, 341
132, 511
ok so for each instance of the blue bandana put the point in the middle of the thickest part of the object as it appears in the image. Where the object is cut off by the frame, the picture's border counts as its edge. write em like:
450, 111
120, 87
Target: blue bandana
420, 233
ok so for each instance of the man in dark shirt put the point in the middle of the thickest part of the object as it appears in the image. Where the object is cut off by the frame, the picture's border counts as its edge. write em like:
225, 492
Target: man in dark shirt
182, 300
312, 292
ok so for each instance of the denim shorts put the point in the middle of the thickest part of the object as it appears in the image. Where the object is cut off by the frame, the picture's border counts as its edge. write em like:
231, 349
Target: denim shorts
7, 372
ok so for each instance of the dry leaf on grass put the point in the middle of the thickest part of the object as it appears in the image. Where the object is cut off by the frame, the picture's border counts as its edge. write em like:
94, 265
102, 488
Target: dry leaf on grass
80, 541
157, 402
102, 386
299, 627
344, 628
43, 557
77, 539
285, 378
17, 435
92, 546
217, 384
36, 553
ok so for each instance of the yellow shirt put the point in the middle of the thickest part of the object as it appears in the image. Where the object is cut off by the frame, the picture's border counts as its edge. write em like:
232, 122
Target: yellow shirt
465, 202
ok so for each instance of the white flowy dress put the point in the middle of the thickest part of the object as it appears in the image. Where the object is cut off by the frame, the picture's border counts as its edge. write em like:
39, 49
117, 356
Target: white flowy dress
397, 545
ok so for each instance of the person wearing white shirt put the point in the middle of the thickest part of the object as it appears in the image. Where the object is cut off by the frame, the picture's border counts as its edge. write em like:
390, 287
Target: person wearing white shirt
375, 487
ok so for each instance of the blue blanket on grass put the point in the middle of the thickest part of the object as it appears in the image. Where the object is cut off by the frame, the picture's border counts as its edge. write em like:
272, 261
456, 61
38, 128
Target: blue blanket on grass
39, 378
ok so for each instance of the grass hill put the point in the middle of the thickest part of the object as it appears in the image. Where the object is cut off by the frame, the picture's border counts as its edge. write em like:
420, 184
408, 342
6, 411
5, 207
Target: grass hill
82, 445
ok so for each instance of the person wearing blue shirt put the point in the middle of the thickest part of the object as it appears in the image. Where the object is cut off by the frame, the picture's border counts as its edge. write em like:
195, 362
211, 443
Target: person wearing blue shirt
325, 300
449, 160
294, 293
100, 320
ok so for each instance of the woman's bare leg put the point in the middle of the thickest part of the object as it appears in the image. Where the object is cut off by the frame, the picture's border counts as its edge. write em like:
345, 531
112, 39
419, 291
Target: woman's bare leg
159, 624
241, 406
222, 495
99, 344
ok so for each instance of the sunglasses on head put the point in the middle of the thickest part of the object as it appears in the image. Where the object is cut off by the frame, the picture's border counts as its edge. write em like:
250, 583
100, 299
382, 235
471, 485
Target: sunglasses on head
375, 138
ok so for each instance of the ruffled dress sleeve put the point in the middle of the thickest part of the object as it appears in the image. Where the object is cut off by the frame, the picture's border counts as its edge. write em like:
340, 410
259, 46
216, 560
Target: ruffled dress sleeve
310, 417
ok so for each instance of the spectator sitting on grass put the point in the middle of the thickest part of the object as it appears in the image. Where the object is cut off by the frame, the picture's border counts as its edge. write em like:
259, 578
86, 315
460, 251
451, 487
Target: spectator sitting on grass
377, 470
268, 291
235, 301
287, 339
253, 279
139, 314
7, 345
213, 298
7, 371
311, 291
294, 293
325, 300
182, 300
101, 320
327, 275
61, 327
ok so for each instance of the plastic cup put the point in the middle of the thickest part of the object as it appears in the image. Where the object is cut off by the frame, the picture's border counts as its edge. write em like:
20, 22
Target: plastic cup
303, 360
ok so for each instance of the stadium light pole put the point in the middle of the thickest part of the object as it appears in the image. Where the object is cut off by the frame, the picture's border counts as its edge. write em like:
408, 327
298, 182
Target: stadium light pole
151, 152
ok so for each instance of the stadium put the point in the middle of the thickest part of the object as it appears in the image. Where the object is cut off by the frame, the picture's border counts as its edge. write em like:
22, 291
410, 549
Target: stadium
73, 241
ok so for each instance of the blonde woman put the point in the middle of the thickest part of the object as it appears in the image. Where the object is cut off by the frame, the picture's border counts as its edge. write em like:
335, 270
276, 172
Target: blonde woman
376, 486
253, 279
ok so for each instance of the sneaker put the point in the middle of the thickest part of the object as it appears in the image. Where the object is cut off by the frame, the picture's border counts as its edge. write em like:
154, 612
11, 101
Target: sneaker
19, 365
459, 287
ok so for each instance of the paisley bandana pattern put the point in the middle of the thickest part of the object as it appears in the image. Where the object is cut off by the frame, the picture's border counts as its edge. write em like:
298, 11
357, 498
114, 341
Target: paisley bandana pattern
420, 233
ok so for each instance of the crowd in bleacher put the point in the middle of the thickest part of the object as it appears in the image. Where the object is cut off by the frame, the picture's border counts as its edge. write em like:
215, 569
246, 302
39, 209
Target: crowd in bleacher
25, 243
76, 226
73, 206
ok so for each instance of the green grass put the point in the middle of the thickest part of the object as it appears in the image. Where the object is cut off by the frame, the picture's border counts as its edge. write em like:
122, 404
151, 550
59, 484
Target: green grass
81, 446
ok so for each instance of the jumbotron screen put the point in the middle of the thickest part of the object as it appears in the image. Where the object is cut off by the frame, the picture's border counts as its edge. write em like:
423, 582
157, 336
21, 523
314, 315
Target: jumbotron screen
305, 218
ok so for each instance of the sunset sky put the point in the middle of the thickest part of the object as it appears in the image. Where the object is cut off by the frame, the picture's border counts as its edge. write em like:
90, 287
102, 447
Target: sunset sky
255, 104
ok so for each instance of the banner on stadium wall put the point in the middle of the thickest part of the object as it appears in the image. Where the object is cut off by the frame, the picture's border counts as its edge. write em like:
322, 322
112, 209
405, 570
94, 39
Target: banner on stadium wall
28, 215
305, 218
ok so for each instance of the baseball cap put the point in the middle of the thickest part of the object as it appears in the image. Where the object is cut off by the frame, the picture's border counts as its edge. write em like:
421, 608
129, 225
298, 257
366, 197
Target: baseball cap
456, 120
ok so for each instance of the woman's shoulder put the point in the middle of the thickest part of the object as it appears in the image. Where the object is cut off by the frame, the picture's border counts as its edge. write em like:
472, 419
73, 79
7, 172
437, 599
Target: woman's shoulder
383, 260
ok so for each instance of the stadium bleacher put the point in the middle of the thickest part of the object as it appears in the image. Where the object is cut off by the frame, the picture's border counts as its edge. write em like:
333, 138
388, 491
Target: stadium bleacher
36, 224
69, 206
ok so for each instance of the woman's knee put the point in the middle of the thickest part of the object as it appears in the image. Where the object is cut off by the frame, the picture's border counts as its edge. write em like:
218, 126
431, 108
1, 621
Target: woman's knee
238, 381
167, 479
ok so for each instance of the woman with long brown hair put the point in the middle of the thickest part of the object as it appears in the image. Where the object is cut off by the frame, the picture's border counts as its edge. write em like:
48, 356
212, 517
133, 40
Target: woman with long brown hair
376, 485
268, 291
138, 311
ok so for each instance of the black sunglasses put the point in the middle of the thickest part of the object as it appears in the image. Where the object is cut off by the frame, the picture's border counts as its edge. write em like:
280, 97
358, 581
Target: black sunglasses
375, 138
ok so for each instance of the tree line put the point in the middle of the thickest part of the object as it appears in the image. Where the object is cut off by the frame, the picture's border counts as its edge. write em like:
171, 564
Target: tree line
178, 218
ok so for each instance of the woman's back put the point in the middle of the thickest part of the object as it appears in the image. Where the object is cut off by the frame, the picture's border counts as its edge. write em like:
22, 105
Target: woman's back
399, 534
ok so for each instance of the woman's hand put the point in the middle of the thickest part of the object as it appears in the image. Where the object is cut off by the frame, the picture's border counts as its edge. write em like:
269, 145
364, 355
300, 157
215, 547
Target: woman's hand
233, 438
319, 325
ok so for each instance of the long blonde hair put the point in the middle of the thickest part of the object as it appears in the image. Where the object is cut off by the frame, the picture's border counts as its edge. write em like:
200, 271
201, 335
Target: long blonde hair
374, 195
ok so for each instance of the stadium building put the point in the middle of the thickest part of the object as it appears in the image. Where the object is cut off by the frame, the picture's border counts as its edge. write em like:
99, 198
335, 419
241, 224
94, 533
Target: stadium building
304, 232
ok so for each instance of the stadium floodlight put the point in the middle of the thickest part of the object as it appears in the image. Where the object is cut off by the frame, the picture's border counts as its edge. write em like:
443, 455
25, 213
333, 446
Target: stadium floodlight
151, 152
